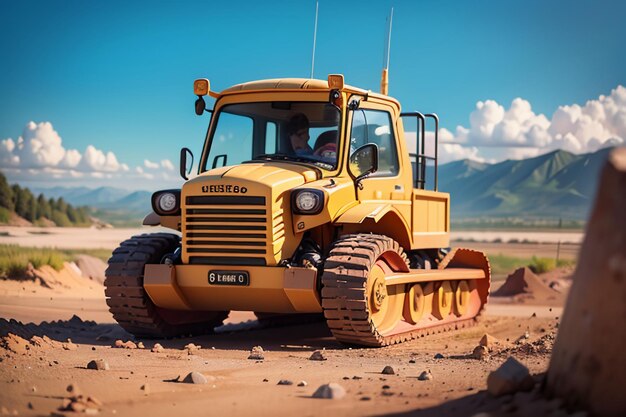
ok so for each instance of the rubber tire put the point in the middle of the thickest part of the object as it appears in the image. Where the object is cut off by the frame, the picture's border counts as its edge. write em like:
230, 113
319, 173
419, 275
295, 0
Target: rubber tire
129, 303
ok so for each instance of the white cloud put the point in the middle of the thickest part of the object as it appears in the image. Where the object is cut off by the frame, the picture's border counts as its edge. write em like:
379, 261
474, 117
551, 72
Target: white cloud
38, 155
149, 164
167, 164
517, 132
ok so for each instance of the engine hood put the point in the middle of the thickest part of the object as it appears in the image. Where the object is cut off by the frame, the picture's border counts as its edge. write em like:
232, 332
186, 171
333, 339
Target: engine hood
270, 174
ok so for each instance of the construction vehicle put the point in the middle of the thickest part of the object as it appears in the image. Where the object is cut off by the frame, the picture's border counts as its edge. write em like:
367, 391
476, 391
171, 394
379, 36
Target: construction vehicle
357, 231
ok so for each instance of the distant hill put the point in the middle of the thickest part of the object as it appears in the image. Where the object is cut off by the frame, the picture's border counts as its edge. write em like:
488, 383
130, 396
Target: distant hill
557, 184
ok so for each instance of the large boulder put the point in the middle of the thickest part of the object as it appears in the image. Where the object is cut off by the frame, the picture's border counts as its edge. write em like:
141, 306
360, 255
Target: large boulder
588, 363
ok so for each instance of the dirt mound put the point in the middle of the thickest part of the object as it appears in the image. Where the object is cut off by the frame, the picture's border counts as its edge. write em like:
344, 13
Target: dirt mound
92, 268
523, 284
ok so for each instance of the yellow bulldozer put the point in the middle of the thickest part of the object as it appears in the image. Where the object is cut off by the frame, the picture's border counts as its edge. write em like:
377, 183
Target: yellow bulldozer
308, 199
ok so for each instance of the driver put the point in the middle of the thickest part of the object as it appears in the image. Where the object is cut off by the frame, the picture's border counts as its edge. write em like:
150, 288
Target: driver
298, 132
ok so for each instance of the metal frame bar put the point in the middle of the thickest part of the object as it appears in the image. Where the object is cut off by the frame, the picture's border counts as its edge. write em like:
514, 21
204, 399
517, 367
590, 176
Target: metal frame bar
420, 157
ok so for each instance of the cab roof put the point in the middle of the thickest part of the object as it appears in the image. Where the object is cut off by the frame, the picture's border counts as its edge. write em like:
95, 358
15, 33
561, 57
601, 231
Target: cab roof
298, 84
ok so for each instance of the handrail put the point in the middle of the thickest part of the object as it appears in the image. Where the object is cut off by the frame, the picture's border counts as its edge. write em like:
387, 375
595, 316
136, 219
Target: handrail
420, 158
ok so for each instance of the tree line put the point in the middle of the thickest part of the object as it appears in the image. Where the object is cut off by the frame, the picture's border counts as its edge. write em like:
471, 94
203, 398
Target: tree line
14, 198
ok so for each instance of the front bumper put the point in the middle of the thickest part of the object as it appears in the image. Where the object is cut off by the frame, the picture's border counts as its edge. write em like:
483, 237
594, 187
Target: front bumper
271, 289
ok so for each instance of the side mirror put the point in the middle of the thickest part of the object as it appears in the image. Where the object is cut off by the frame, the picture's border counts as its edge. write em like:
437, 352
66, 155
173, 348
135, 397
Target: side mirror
364, 161
200, 106
184, 171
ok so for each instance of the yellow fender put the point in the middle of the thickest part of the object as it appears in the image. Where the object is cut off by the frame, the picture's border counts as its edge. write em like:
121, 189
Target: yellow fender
376, 217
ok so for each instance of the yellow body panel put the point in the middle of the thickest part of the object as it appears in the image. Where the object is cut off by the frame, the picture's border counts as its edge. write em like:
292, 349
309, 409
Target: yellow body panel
277, 290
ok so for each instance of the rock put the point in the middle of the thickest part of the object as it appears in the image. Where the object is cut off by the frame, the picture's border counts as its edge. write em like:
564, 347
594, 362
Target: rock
388, 370
285, 382
69, 345
509, 378
124, 345
425, 376
480, 353
439, 356
98, 365
257, 353
318, 355
157, 348
302, 384
331, 391
145, 388
588, 361
488, 341
140, 345
195, 378
191, 348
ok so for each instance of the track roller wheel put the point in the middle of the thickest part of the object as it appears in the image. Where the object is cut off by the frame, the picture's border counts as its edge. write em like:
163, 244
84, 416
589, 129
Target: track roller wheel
461, 298
418, 302
443, 300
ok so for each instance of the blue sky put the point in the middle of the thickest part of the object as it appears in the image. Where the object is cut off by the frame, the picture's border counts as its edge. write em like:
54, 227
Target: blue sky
117, 76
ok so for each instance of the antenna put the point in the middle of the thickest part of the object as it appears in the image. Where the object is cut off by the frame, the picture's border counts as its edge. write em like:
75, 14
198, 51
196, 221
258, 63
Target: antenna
384, 82
317, 4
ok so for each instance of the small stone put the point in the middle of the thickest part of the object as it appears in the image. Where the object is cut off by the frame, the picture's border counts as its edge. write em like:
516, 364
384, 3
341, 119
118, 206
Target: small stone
195, 378
266, 380
140, 345
302, 384
118, 344
257, 353
511, 377
318, 355
129, 345
93, 402
285, 382
145, 388
157, 348
439, 356
98, 365
386, 387
331, 391
480, 353
411, 360
388, 370
69, 345
488, 341
365, 398
357, 377
425, 376
31, 406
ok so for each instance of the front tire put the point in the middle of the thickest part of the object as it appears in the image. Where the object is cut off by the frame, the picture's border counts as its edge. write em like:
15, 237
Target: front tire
129, 303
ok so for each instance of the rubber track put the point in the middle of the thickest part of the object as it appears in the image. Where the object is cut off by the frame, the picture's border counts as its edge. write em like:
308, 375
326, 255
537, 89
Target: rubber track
127, 300
344, 297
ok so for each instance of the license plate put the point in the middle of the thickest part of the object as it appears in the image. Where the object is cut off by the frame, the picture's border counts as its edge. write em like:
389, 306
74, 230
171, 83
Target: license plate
240, 278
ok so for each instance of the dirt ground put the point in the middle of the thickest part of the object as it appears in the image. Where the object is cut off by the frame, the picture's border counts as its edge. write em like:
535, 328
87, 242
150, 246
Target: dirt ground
34, 373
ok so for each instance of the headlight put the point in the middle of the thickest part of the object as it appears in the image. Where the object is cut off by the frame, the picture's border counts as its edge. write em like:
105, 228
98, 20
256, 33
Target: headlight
166, 202
308, 201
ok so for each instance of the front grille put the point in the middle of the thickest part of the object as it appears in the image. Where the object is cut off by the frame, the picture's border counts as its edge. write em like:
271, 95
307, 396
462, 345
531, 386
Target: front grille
229, 230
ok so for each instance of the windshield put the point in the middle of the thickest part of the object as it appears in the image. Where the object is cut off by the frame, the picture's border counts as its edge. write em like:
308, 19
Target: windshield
289, 131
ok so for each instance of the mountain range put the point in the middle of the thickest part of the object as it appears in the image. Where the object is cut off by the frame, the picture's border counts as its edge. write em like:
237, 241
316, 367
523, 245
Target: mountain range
556, 184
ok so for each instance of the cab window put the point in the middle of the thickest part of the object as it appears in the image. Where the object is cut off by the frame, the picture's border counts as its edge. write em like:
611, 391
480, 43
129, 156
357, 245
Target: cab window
374, 126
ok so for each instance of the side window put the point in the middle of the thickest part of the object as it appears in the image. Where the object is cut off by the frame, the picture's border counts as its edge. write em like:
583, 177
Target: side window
270, 137
374, 126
